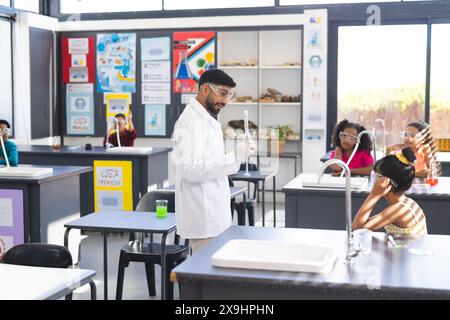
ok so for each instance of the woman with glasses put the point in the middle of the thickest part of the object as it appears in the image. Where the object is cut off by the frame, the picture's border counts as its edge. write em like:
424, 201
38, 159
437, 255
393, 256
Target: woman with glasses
10, 147
418, 137
403, 216
344, 140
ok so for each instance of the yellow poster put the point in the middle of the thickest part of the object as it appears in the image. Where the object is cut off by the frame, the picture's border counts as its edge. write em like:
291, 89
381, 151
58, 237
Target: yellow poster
113, 185
117, 103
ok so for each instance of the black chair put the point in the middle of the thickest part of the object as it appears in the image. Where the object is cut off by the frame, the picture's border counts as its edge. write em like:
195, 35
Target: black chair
43, 255
150, 252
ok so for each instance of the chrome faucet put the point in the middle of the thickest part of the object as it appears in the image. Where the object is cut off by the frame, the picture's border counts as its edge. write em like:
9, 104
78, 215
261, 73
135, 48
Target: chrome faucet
383, 133
358, 142
348, 203
107, 144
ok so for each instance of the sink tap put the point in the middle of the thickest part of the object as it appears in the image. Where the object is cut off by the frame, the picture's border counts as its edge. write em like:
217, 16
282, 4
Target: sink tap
109, 145
383, 133
348, 203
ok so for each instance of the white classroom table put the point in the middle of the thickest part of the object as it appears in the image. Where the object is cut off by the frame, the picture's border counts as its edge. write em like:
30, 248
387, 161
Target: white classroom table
37, 283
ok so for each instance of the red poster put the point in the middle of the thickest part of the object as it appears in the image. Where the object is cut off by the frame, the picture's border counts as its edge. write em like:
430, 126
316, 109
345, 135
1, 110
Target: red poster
78, 59
193, 54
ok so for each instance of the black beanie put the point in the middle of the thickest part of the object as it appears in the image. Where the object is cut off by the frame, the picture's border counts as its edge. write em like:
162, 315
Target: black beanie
216, 76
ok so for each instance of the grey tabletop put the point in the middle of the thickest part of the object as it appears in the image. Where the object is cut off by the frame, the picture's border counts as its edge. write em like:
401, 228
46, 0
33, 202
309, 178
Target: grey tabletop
80, 151
418, 267
59, 172
254, 175
418, 189
234, 191
124, 221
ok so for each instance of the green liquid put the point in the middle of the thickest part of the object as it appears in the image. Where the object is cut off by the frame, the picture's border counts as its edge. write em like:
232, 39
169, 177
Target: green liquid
161, 212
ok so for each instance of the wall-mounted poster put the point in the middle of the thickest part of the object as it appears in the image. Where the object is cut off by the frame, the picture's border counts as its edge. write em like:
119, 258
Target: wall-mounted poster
78, 59
193, 54
155, 71
117, 103
80, 109
11, 219
155, 93
155, 48
113, 185
116, 62
155, 120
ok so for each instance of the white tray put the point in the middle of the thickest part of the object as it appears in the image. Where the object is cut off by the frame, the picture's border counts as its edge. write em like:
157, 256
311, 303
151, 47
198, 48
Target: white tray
129, 149
328, 181
277, 256
24, 172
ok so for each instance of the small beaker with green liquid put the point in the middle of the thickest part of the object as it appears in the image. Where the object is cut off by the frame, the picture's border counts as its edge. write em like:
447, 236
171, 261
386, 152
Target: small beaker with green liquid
161, 208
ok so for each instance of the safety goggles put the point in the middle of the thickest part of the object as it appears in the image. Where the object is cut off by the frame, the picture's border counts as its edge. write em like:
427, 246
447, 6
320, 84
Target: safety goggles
5, 130
221, 91
394, 184
408, 134
348, 137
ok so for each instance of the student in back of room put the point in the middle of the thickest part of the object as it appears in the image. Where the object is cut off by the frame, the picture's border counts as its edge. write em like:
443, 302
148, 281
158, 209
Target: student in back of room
10, 147
403, 216
418, 137
127, 132
344, 140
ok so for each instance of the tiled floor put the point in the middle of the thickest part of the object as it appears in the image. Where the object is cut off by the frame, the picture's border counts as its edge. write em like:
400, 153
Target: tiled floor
135, 285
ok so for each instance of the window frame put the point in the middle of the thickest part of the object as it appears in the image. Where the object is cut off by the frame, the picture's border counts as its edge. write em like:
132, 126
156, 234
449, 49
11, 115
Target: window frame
11, 21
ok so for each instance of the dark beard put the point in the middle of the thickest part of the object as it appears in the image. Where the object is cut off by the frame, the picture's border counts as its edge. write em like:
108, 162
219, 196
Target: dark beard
210, 107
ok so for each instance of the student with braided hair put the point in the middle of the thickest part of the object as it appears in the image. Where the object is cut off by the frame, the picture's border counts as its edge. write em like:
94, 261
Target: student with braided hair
403, 216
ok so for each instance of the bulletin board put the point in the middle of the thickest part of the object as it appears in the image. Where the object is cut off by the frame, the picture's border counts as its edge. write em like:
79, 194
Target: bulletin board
113, 185
11, 219
78, 59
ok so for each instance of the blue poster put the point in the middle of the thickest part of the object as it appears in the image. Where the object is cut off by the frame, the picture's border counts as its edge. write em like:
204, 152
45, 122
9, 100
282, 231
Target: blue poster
155, 48
116, 62
80, 113
155, 120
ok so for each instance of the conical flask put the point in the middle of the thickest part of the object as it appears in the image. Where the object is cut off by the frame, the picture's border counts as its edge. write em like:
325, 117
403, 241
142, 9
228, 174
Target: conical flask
183, 71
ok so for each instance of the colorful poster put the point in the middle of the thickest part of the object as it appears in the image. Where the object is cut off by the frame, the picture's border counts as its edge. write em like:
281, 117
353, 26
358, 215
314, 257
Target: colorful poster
156, 71
117, 103
155, 93
116, 62
113, 185
80, 112
155, 120
193, 54
155, 48
11, 219
78, 59
79, 46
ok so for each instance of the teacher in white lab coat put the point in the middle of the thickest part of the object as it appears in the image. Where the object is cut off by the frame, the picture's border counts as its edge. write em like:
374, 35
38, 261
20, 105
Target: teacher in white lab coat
202, 197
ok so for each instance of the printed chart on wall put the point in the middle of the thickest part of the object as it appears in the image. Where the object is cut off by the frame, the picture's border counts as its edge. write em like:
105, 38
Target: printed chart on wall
193, 54
78, 60
80, 108
116, 62
11, 219
113, 185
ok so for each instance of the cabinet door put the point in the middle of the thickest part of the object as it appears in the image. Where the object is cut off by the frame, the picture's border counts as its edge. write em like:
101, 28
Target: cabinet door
41, 68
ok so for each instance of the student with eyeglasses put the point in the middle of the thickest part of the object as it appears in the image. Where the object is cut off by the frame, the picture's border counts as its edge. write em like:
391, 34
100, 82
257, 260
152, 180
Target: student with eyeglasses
403, 216
417, 135
10, 147
344, 140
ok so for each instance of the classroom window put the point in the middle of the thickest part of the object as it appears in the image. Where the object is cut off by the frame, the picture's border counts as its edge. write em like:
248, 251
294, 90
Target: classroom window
6, 105
381, 74
208, 4
6, 3
90, 6
439, 82
27, 5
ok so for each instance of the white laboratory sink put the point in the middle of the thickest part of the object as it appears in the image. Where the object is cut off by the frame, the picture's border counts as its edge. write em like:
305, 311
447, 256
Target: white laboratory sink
276, 256
329, 181
24, 172
129, 149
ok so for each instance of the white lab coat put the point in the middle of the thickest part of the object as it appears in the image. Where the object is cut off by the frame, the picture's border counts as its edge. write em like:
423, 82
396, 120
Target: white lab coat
202, 197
